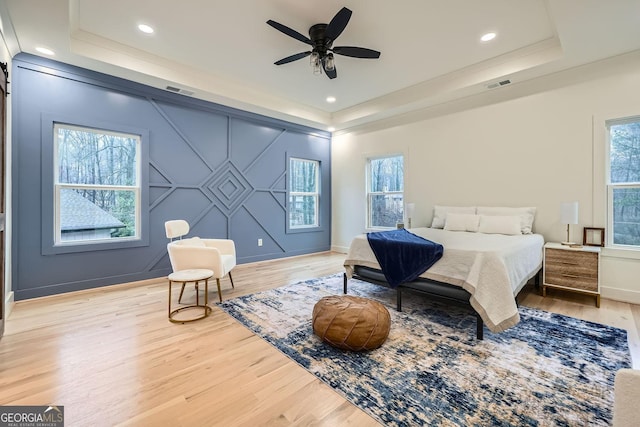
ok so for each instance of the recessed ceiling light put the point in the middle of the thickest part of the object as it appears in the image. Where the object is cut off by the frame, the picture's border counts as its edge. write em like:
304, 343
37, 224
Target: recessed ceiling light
331, 99
145, 28
331, 129
45, 51
488, 37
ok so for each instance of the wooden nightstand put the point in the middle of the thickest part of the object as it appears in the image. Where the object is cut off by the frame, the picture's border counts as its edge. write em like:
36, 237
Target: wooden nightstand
572, 269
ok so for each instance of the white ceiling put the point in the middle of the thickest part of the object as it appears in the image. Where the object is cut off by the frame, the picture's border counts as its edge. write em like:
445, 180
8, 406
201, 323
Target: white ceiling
224, 51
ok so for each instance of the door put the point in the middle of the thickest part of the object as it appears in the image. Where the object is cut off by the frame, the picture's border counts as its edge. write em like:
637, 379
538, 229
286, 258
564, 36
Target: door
3, 98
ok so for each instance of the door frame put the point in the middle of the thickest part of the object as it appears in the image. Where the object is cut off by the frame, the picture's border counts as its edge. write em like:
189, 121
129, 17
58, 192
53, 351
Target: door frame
4, 75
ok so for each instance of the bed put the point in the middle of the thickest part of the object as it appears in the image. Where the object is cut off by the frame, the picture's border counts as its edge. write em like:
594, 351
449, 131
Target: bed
483, 270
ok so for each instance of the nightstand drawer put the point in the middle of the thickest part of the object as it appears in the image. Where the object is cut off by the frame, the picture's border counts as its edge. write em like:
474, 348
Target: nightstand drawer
571, 281
582, 263
582, 270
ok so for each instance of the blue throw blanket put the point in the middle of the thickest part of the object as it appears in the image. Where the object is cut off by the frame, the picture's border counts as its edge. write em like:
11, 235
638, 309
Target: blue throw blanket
402, 255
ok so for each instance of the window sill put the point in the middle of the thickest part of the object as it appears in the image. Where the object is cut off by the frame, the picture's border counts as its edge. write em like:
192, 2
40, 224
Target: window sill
621, 253
374, 229
91, 246
304, 229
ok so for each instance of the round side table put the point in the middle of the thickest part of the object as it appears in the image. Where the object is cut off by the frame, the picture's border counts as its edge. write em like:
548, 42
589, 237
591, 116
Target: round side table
196, 276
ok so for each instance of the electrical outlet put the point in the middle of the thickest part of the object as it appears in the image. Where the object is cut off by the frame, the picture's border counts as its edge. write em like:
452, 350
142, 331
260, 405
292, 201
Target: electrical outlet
259, 242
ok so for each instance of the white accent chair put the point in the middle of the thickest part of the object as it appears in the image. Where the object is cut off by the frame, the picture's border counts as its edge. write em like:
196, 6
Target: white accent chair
218, 255
626, 411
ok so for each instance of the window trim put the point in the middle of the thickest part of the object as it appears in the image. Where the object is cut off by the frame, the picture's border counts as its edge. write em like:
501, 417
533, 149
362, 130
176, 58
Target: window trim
611, 187
316, 195
49, 203
58, 186
370, 193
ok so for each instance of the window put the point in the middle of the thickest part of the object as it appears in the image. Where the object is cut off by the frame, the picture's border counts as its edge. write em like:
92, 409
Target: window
96, 185
385, 191
623, 188
304, 193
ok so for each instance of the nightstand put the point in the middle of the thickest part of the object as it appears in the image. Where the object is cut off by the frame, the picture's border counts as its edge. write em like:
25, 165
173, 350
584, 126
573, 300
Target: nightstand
572, 269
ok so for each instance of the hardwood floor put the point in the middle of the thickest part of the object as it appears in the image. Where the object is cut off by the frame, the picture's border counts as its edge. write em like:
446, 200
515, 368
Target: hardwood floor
111, 357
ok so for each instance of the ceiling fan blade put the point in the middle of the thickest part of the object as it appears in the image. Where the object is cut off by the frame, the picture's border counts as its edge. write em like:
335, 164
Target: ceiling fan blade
292, 58
290, 32
338, 24
356, 52
332, 74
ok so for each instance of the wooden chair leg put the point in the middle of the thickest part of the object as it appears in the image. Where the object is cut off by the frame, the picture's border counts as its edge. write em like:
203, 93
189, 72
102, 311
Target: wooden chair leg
181, 292
231, 278
219, 291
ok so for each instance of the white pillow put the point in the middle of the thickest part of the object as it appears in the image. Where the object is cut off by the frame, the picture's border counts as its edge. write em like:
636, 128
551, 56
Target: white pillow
497, 224
440, 213
462, 222
526, 215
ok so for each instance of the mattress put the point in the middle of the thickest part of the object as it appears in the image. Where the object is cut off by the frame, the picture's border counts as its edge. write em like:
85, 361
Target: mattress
493, 268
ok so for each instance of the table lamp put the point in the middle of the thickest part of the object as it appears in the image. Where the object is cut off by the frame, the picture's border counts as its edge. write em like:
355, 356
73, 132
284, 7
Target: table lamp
568, 215
409, 211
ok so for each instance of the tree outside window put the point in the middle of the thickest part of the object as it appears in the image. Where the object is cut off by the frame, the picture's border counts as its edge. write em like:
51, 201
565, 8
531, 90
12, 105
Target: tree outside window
624, 183
97, 184
304, 193
385, 195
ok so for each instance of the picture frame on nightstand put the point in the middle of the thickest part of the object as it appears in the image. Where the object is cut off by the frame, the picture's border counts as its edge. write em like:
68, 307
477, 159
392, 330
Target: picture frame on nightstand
593, 236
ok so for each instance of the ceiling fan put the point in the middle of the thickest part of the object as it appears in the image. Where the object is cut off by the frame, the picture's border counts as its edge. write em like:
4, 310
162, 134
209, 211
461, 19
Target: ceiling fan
321, 38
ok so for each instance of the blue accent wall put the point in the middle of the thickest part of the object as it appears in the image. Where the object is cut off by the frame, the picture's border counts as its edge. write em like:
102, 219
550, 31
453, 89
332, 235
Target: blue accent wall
221, 169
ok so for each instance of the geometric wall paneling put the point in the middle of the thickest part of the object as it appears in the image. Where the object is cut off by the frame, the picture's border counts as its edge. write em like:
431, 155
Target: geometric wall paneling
157, 193
278, 190
159, 185
174, 154
280, 197
190, 202
214, 223
229, 186
246, 232
221, 169
268, 167
205, 133
249, 141
281, 182
261, 206
156, 176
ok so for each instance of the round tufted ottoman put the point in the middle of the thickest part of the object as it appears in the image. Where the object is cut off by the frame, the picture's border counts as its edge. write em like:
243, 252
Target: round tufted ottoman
350, 322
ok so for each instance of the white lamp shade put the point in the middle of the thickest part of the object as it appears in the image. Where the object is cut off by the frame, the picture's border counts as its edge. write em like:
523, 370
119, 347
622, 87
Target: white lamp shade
569, 213
410, 208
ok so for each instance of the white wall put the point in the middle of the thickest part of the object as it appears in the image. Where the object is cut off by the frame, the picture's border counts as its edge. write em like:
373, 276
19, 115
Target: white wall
535, 150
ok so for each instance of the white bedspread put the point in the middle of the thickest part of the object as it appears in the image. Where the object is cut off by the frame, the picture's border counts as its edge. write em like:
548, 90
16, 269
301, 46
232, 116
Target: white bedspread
491, 267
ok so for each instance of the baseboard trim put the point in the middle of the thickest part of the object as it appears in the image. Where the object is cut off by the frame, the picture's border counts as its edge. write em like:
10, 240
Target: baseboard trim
340, 249
9, 303
623, 295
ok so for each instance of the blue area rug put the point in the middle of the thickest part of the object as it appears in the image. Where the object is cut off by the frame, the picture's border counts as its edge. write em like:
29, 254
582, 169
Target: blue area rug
549, 370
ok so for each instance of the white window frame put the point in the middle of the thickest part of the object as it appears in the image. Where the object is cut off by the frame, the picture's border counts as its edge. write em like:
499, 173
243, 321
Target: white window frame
315, 195
58, 186
611, 187
370, 193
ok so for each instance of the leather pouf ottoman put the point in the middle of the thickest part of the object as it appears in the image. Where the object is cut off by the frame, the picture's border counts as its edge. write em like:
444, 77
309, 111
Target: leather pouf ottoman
350, 322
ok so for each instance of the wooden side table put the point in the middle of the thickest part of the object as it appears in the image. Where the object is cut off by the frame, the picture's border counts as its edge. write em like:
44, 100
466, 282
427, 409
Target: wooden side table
572, 269
196, 276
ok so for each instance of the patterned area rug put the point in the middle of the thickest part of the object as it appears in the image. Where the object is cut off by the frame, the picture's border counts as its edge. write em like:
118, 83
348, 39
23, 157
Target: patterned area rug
549, 370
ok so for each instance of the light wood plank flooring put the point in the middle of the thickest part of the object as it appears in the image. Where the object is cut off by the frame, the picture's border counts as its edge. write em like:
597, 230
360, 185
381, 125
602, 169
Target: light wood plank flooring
110, 356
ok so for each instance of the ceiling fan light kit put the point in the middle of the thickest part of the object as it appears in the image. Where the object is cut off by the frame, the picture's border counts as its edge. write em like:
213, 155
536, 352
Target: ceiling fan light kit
321, 38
